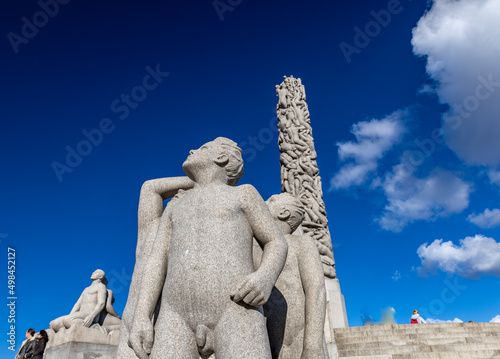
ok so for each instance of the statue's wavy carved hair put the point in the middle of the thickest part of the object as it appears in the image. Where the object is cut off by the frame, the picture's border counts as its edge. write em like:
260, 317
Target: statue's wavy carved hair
293, 204
234, 168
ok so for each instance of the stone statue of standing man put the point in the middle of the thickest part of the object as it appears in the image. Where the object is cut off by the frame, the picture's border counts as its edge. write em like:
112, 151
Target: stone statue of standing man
202, 266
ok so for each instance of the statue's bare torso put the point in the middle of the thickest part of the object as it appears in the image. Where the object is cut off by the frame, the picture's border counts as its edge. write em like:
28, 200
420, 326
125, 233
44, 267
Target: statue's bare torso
90, 297
206, 223
209, 255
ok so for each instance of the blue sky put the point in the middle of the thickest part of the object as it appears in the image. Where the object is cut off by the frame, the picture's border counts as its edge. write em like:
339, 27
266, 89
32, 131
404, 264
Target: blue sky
404, 101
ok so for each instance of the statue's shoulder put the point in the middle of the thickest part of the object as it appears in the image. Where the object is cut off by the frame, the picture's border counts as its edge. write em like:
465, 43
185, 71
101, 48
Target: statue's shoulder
246, 189
246, 193
249, 197
101, 287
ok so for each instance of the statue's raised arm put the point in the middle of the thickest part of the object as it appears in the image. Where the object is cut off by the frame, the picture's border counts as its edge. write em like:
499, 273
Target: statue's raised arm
153, 193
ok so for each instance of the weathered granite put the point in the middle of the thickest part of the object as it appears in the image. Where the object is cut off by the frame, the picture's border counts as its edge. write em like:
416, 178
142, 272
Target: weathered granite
79, 342
93, 308
211, 297
78, 333
420, 341
81, 350
299, 170
300, 177
295, 311
153, 193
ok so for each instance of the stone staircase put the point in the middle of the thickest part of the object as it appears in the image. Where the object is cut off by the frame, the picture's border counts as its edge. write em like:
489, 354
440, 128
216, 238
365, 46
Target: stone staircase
420, 341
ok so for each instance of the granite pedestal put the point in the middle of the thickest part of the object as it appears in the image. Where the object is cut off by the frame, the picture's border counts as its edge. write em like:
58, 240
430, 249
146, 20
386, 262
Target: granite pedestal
79, 342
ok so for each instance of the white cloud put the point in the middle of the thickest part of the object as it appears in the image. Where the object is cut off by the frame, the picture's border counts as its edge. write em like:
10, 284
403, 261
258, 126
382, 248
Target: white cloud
373, 139
487, 219
432, 321
411, 198
474, 256
426, 89
496, 319
494, 177
460, 41
396, 276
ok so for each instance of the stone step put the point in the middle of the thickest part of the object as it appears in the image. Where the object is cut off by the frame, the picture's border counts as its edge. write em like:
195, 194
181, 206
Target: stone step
473, 354
487, 354
414, 342
402, 326
415, 329
429, 334
370, 357
417, 349
407, 337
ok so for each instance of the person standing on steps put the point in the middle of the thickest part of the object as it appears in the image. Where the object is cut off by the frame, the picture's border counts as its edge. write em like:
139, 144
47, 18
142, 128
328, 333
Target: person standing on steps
416, 318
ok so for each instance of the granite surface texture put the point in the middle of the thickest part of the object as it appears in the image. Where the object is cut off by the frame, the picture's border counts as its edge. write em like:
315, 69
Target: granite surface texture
299, 169
153, 193
295, 311
202, 266
81, 350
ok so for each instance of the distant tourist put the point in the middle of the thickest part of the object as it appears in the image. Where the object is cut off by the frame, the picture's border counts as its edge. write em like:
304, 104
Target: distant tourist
27, 346
40, 343
416, 318
367, 320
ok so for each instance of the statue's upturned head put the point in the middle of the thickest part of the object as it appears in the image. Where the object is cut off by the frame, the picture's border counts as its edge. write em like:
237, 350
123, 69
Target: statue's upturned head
98, 274
287, 208
222, 152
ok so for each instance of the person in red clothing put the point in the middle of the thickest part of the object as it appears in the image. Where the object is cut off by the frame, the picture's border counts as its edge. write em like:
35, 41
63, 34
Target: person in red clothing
416, 318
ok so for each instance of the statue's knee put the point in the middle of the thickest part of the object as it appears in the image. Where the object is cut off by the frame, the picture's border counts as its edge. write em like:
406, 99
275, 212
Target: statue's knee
53, 325
66, 322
